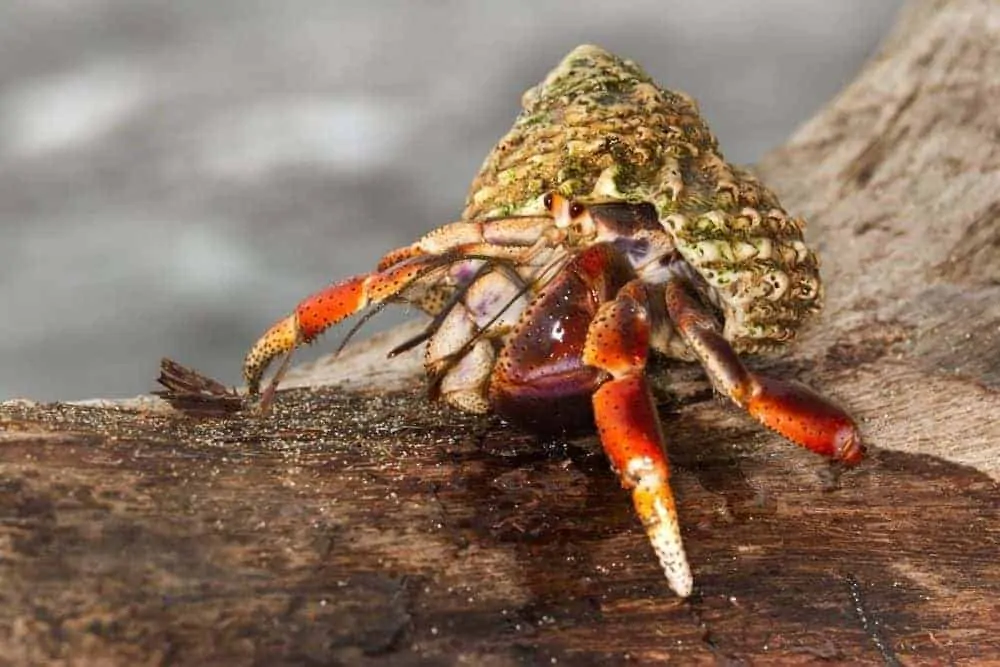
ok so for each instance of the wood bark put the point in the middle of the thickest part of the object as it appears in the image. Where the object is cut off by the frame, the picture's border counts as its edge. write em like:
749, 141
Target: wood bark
361, 525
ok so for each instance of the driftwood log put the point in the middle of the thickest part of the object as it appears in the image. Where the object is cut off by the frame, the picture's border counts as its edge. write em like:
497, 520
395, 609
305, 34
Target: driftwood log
360, 525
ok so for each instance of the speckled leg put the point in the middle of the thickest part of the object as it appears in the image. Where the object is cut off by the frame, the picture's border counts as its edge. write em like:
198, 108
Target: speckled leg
618, 343
793, 410
325, 308
509, 239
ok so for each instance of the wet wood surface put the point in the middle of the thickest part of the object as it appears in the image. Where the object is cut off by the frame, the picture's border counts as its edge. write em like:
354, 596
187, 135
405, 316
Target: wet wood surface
360, 525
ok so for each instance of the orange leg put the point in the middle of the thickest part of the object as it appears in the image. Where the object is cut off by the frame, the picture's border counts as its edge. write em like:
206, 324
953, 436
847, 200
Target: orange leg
515, 240
618, 343
792, 409
399, 270
326, 308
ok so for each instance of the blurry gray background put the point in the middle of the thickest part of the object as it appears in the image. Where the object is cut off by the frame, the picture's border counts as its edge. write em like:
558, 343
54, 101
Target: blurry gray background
175, 175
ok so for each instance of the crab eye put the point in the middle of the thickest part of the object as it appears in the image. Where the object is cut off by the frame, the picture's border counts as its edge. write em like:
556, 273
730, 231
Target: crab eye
575, 210
547, 202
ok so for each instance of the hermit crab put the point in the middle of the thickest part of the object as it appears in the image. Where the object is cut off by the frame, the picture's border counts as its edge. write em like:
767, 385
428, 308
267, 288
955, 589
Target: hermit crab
605, 227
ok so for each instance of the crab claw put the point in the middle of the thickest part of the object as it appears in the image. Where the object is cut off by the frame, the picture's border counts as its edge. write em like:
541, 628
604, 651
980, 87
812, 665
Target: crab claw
320, 311
789, 408
311, 317
804, 417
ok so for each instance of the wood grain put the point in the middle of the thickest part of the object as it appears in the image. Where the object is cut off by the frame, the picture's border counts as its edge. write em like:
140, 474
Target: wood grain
395, 533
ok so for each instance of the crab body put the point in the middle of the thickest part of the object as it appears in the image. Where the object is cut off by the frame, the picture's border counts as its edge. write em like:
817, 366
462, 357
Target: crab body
603, 228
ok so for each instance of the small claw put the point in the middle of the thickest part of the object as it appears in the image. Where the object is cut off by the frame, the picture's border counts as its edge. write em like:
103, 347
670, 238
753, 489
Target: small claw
312, 316
804, 417
284, 336
789, 408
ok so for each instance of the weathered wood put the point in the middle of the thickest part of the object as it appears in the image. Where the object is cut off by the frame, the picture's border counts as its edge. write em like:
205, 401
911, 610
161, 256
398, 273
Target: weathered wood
396, 533
373, 528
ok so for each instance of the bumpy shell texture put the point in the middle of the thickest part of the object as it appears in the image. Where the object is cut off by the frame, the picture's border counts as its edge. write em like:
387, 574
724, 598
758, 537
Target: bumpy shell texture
598, 129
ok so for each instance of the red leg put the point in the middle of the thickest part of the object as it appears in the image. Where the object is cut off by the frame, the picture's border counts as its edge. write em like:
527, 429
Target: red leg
403, 268
327, 307
618, 343
792, 409
510, 239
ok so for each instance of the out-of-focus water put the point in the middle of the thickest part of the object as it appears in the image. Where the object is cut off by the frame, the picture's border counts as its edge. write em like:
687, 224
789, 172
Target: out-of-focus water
175, 175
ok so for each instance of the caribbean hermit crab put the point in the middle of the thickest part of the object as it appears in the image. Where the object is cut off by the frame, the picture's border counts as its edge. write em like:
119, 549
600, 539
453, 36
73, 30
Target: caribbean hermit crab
605, 227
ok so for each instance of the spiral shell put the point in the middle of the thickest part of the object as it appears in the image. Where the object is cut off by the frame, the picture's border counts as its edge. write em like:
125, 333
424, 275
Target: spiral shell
598, 129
